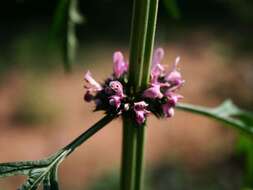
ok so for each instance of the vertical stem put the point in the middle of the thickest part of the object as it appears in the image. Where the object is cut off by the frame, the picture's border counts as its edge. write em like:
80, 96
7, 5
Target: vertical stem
140, 147
137, 43
137, 50
141, 48
128, 154
149, 42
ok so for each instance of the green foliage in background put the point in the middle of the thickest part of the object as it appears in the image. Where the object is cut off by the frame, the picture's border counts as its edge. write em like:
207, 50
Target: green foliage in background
66, 18
227, 113
172, 8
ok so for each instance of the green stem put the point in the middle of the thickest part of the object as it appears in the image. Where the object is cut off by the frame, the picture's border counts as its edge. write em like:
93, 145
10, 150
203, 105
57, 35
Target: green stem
141, 131
141, 50
140, 149
137, 50
128, 154
88, 133
137, 43
149, 42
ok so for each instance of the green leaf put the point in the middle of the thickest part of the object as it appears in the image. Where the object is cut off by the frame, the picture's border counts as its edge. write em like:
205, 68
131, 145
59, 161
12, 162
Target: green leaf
20, 168
227, 113
37, 171
45, 170
244, 148
65, 20
44, 174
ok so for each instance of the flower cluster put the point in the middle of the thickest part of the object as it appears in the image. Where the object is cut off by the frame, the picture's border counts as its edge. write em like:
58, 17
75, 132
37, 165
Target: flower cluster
159, 98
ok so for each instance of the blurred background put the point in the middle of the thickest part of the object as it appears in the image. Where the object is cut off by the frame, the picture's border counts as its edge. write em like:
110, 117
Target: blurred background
42, 107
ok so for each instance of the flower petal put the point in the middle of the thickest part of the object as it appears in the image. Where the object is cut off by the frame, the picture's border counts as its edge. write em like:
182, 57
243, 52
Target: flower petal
157, 57
174, 77
157, 68
120, 66
140, 105
172, 97
92, 82
168, 110
88, 97
153, 92
140, 111
117, 88
140, 117
115, 101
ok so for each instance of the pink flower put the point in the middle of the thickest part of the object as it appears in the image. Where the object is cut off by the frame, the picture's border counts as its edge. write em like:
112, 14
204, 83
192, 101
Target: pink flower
174, 77
168, 110
117, 88
153, 92
140, 117
158, 56
140, 112
172, 97
93, 84
88, 97
120, 66
157, 68
115, 101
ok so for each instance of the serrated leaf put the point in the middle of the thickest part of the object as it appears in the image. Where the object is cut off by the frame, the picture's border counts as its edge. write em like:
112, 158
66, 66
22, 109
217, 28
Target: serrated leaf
46, 170
50, 182
20, 168
37, 171
227, 113
38, 175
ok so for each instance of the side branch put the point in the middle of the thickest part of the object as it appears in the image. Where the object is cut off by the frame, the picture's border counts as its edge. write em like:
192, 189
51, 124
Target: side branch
45, 170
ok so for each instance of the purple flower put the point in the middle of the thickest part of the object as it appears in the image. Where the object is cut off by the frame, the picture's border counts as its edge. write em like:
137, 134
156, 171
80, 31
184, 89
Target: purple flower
92, 87
172, 97
120, 66
115, 101
174, 77
88, 97
117, 88
168, 110
153, 92
140, 111
140, 117
93, 84
160, 96
158, 56
157, 68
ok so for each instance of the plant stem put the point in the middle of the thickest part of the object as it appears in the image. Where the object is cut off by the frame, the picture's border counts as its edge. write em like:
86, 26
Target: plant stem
140, 149
128, 154
137, 43
137, 50
141, 48
88, 133
141, 131
149, 42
